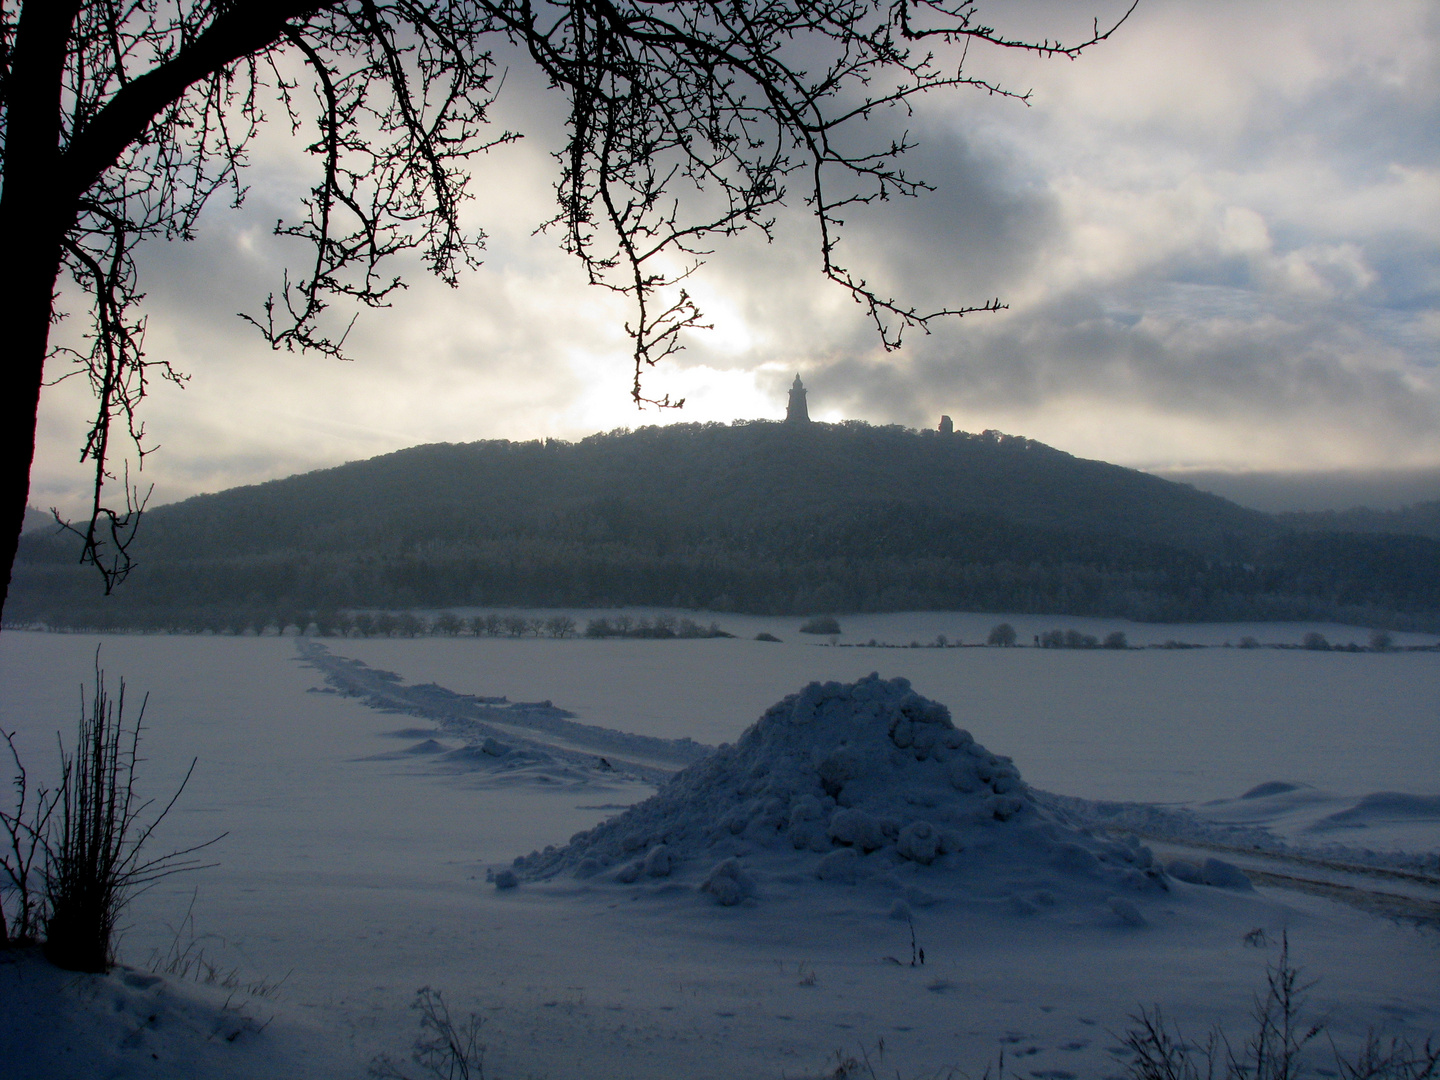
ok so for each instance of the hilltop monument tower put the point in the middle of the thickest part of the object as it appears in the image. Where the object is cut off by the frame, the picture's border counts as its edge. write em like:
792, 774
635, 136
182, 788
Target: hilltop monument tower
797, 412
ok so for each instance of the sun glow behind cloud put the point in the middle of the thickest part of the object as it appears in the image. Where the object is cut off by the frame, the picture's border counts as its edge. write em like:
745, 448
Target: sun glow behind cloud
1219, 236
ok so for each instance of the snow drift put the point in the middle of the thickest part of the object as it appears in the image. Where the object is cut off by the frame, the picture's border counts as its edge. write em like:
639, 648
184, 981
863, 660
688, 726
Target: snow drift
867, 783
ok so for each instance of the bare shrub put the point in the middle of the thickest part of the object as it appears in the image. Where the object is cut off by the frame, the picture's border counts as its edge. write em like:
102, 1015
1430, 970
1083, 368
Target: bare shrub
1159, 1052
93, 840
444, 1049
1392, 1060
23, 859
185, 958
1276, 1047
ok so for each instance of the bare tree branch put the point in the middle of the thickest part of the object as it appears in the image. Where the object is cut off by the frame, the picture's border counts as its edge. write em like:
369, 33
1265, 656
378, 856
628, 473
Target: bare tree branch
688, 122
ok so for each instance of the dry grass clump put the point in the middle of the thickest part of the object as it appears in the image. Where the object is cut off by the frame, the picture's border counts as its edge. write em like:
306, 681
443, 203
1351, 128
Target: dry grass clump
76, 854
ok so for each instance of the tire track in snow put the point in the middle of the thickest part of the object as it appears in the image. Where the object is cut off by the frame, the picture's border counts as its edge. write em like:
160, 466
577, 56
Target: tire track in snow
502, 735
1410, 891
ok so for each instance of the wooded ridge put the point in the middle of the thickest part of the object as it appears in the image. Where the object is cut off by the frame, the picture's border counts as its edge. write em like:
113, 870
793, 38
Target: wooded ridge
756, 516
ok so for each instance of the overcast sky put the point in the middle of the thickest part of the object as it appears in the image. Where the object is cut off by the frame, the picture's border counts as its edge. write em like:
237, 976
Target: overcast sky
1218, 235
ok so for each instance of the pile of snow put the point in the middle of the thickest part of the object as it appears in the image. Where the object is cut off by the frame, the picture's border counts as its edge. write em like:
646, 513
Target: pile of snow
866, 782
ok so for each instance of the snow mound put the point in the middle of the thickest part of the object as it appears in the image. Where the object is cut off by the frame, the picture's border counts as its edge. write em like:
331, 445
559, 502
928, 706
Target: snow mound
1271, 787
845, 784
1382, 806
129, 1023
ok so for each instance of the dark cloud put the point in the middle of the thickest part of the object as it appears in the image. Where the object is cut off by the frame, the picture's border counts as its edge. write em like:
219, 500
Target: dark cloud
974, 237
1262, 369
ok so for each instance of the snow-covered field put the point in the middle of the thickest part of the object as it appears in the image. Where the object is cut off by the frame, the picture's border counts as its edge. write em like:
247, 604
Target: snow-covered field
362, 826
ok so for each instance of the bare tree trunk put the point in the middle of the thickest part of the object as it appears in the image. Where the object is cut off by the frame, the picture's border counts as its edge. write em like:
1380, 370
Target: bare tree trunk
32, 223
26, 286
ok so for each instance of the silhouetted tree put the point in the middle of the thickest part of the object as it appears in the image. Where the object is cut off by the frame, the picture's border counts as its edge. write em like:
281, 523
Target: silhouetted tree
1002, 634
121, 120
559, 626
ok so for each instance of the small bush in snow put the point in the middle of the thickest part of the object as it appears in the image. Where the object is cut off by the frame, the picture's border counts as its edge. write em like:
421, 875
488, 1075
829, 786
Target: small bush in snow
26, 829
444, 1049
85, 841
1275, 1050
820, 624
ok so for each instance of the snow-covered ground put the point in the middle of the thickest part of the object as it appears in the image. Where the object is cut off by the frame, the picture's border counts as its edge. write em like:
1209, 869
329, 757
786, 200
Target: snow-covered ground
364, 818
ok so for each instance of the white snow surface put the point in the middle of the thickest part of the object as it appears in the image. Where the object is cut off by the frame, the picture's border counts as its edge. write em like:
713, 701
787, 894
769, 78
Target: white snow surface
365, 817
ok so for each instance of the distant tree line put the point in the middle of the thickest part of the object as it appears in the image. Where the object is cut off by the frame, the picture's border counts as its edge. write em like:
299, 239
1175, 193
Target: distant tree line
1074, 639
208, 592
662, 626
381, 624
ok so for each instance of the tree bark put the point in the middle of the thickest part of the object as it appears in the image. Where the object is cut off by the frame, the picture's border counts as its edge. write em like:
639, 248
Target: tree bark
32, 223
27, 284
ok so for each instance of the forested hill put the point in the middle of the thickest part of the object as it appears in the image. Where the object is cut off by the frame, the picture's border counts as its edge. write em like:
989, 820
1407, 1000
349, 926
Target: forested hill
686, 483
757, 516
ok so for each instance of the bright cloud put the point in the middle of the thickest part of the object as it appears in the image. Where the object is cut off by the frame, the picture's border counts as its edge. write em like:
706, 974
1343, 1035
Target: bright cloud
1218, 234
